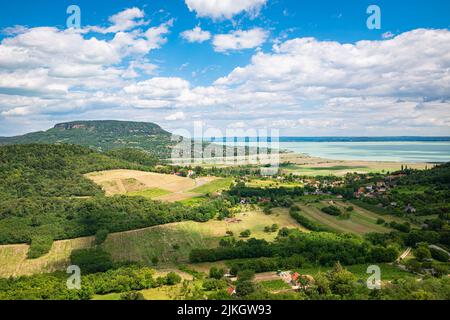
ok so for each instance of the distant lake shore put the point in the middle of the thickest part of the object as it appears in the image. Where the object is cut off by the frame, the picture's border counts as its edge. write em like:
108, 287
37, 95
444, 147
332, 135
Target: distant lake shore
390, 149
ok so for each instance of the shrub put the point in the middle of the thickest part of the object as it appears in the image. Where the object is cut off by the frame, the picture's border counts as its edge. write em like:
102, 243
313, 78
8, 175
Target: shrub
101, 236
132, 296
439, 255
216, 273
91, 260
246, 233
40, 245
214, 284
172, 279
381, 221
332, 211
422, 253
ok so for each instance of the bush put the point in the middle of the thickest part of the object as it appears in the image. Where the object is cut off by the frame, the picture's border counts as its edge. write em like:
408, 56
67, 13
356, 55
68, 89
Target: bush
132, 296
246, 275
172, 279
40, 245
245, 288
307, 223
422, 253
216, 273
214, 284
91, 260
439, 255
101, 236
246, 233
381, 221
332, 211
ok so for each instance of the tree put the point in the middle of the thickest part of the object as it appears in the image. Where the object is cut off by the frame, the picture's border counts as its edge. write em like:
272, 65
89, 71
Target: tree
246, 233
155, 260
216, 273
172, 278
341, 280
422, 253
245, 288
91, 260
439, 255
101, 236
246, 275
132, 296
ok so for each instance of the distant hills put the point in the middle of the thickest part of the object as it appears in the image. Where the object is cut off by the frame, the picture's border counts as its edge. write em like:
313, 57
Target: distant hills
103, 136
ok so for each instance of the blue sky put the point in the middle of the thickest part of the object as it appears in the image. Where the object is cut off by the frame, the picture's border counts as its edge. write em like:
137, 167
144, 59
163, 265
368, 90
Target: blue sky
229, 78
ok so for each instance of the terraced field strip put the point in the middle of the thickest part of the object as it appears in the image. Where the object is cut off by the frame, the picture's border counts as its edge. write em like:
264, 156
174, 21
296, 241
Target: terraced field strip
14, 262
364, 217
170, 243
369, 214
353, 225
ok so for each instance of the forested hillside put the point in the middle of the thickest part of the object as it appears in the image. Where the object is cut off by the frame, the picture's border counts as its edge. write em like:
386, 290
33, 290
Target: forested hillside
44, 196
103, 136
40, 170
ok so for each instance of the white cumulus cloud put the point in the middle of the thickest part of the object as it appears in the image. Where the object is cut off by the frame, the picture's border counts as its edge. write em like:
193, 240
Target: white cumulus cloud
196, 35
239, 40
220, 9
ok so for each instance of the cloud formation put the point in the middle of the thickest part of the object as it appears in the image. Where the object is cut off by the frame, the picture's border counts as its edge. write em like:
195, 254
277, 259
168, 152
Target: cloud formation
400, 85
196, 35
224, 9
239, 40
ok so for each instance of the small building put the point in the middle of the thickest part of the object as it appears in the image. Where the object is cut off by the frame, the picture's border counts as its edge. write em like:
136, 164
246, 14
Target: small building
231, 291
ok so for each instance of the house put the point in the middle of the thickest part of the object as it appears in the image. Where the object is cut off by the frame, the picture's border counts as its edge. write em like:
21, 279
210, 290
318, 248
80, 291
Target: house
231, 291
381, 184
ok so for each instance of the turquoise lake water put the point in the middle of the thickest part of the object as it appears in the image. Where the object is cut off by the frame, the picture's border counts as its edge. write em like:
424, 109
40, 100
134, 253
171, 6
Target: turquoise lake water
374, 151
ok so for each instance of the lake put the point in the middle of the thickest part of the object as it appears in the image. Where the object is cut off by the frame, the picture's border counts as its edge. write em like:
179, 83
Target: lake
399, 151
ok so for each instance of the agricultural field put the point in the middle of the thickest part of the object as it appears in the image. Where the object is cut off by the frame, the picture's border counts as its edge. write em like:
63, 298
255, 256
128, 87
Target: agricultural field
170, 243
14, 262
156, 186
388, 271
271, 183
361, 221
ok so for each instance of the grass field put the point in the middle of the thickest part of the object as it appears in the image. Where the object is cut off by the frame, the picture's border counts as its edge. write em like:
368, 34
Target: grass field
170, 243
361, 221
14, 262
214, 186
274, 285
259, 183
388, 271
149, 193
164, 187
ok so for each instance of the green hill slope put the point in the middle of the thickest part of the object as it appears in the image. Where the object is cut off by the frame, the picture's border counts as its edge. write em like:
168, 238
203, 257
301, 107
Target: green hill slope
41, 170
103, 136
